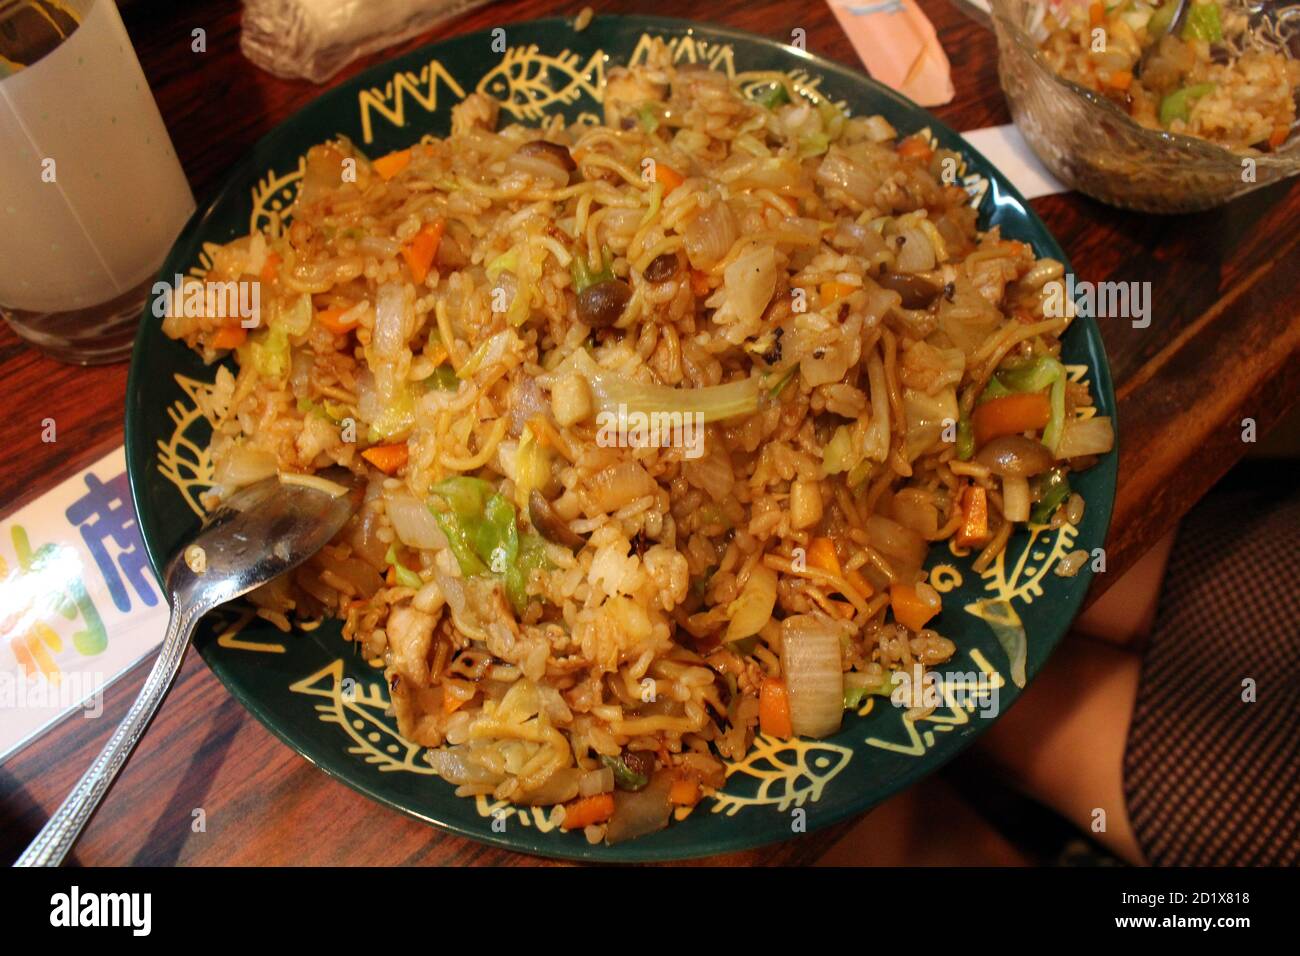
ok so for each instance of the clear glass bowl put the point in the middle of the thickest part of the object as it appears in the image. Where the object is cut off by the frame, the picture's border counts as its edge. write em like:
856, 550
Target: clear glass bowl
1093, 146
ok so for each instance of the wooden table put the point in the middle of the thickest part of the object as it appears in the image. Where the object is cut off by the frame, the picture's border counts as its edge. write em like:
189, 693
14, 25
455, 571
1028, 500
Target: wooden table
1221, 347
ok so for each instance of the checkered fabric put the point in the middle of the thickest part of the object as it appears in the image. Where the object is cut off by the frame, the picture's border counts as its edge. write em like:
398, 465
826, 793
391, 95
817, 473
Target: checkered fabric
1212, 778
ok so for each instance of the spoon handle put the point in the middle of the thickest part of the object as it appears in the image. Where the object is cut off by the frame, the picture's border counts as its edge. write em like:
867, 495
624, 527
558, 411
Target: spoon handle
63, 829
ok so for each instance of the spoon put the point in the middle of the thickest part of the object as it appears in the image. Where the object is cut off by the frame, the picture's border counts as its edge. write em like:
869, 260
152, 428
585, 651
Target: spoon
1175, 27
257, 534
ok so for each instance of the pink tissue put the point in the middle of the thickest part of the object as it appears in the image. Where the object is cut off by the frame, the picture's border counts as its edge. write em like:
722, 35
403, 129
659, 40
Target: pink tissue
898, 46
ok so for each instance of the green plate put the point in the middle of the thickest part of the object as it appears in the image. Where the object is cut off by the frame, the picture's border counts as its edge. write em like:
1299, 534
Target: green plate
312, 689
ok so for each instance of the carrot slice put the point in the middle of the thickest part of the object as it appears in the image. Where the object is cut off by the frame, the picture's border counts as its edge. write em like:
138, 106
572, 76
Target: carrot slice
419, 252
858, 581
387, 458
685, 792
821, 554
451, 703
670, 177
699, 283
1010, 415
332, 319
588, 811
392, 164
1278, 137
1121, 79
914, 147
1096, 13
974, 530
229, 337
833, 291
271, 267
909, 609
774, 709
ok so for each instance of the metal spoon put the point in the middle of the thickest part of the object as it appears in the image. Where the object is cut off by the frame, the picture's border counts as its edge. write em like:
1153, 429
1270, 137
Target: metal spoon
257, 534
1175, 27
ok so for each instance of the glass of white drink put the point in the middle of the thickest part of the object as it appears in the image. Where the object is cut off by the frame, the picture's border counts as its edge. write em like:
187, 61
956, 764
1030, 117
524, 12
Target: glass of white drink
91, 192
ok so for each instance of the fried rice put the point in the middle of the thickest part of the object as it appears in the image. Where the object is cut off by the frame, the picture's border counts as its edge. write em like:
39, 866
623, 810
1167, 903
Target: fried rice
573, 607
1223, 77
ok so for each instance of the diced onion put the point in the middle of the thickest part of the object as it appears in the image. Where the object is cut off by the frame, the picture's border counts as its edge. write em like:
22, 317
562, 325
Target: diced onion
596, 781
710, 235
712, 473
613, 488
822, 366
814, 679
256, 254
295, 316
917, 254
1137, 18
391, 327
876, 443
926, 417
362, 536
1015, 498
914, 508
451, 764
753, 609
560, 787
1087, 436
414, 523
243, 466
331, 488
429, 598
379, 246
838, 170
750, 282
903, 547
878, 129
539, 169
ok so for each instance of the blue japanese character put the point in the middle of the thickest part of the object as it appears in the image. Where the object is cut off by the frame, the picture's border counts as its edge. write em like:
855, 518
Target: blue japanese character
105, 514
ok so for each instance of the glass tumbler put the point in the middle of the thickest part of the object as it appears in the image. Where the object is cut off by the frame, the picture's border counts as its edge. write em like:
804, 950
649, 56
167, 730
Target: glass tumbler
91, 192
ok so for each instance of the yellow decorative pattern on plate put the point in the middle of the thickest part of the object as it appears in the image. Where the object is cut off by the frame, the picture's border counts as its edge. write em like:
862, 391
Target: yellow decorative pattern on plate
361, 711
789, 773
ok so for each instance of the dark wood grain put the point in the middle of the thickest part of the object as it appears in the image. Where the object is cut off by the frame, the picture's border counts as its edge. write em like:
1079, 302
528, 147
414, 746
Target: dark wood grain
1221, 347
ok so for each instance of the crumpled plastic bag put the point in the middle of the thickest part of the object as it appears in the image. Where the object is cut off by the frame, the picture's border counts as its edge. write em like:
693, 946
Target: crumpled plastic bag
314, 39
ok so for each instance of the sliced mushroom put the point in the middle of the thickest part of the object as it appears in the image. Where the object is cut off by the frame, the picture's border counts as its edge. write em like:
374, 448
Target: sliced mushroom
553, 152
1015, 456
550, 525
917, 293
602, 304
662, 268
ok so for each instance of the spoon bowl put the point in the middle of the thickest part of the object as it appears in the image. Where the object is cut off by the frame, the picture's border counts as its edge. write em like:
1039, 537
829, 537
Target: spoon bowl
259, 533
253, 537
